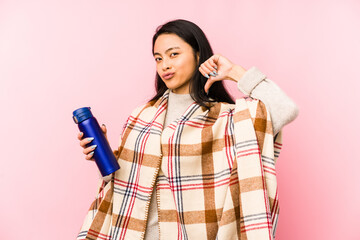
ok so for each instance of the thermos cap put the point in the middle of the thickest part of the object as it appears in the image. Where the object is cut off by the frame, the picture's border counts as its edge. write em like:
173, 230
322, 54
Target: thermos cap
81, 114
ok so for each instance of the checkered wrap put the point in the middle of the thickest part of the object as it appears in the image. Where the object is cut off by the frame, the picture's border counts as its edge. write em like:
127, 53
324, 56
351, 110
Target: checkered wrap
214, 172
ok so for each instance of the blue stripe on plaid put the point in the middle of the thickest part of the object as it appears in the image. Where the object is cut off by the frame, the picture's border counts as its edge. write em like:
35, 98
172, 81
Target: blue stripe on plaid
254, 217
268, 160
178, 131
137, 195
82, 235
205, 118
232, 132
246, 143
140, 128
275, 224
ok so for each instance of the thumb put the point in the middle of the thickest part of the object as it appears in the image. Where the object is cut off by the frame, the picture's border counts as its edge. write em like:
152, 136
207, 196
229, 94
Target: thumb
210, 82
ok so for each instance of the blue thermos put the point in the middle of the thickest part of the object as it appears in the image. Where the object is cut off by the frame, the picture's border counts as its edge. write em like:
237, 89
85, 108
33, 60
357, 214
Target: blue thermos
103, 155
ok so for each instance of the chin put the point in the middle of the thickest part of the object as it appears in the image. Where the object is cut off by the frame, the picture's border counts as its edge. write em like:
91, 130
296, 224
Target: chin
171, 86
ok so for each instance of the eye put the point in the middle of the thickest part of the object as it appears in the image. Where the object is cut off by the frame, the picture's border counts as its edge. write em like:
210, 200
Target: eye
174, 53
156, 59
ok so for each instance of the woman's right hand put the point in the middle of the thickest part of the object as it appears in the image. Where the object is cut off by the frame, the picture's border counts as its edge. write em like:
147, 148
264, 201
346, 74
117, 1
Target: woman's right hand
89, 151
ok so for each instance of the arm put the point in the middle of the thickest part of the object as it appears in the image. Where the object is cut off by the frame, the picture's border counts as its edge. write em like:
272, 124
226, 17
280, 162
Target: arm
254, 83
255, 162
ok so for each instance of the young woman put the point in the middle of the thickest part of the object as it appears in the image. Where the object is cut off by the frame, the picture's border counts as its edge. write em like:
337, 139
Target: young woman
195, 164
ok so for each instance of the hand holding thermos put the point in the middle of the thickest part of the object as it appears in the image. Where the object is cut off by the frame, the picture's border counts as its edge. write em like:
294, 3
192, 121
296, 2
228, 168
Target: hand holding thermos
94, 141
89, 151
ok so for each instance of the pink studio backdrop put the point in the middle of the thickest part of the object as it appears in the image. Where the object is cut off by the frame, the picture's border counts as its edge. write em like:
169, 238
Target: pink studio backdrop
57, 56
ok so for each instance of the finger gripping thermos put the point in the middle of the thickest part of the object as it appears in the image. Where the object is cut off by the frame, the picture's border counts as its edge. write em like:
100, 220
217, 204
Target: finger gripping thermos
103, 155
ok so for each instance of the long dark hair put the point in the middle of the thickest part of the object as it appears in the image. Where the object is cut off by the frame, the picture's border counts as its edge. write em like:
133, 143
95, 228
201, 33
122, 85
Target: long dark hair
196, 38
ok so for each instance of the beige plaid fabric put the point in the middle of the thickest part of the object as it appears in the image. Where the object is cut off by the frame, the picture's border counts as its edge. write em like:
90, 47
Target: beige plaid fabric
214, 172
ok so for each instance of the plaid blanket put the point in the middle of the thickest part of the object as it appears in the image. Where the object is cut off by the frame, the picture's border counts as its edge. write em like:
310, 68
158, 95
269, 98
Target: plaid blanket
214, 172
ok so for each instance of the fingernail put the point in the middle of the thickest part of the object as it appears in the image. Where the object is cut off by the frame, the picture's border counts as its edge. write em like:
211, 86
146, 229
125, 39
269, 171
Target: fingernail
90, 139
207, 76
91, 153
212, 74
80, 134
93, 146
215, 67
104, 125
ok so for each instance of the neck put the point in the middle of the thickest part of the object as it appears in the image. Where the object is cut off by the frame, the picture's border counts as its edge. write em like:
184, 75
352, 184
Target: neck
178, 92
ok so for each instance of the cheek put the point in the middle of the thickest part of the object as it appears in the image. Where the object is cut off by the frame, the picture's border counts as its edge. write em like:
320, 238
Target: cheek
187, 65
191, 69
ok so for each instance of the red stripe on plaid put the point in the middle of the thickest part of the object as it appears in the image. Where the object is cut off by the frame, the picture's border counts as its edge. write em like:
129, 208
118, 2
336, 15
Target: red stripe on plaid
251, 149
270, 170
172, 126
196, 124
143, 123
189, 123
241, 155
133, 185
247, 228
132, 197
225, 114
141, 152
98, 234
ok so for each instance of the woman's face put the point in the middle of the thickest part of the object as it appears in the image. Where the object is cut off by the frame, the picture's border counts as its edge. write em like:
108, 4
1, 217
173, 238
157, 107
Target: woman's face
174, 56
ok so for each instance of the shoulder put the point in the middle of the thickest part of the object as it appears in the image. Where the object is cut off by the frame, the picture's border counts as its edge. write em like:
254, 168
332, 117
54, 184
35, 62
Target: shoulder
245, 107
146, 110
241, 103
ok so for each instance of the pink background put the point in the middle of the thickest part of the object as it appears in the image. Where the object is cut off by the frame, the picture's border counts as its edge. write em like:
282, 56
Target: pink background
57, 56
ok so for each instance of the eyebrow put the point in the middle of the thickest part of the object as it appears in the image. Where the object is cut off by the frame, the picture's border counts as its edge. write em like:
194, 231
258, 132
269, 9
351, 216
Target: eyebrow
169, 49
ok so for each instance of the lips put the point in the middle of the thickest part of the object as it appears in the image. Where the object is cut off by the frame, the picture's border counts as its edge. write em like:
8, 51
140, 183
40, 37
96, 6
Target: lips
168, 75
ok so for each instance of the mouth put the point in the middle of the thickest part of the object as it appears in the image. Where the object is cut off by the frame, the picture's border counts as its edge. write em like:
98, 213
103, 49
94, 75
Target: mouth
168, 75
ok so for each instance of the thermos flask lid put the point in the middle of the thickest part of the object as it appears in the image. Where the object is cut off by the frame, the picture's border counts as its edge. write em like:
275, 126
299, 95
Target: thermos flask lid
81, 114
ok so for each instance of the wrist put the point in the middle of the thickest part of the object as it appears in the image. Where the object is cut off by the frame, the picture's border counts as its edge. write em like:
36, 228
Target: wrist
236, 73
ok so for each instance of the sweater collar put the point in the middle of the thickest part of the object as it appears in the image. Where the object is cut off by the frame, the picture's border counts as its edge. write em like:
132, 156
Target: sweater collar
194, 112
165, 97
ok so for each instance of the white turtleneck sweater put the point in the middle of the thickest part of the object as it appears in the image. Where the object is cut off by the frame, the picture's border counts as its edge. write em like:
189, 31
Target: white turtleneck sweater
253, 83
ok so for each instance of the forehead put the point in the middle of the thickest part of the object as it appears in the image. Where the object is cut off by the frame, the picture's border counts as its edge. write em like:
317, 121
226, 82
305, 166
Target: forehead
167, 40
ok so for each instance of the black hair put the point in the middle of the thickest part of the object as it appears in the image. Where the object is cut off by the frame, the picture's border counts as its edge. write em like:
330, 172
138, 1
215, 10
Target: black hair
196, 38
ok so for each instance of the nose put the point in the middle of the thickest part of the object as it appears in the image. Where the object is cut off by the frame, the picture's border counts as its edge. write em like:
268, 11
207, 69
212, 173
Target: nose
166, 64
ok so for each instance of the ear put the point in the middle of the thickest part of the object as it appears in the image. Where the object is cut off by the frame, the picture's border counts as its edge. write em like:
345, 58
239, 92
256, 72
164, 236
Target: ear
197, 57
